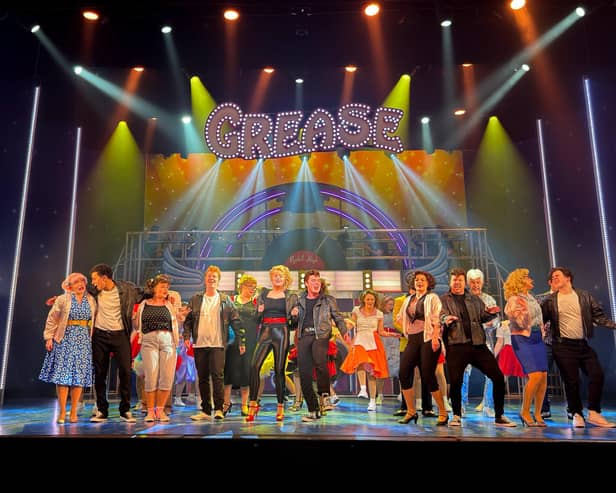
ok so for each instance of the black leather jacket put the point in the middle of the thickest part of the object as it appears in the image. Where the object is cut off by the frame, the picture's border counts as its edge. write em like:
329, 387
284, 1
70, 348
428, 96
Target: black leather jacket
591, 311
129, 294
325, 309
454, 332
228, 316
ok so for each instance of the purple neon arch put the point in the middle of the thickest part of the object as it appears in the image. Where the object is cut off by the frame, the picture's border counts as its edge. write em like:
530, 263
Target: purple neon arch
327, 190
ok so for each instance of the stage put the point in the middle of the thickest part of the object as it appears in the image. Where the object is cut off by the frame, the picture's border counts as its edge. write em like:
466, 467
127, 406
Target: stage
349, 426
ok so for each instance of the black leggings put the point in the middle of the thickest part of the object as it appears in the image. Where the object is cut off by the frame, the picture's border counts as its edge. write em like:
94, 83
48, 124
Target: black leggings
419, 353
276, 337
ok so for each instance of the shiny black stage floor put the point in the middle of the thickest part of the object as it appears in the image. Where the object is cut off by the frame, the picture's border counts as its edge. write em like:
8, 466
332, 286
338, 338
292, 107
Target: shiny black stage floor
348, 426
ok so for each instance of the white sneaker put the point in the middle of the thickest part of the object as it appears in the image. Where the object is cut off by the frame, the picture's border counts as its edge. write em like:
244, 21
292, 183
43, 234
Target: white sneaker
128, 417
372, 406
597, 419
178, 402
488, 411
98, 418
399, 397
363, 394
335, 400
200, 416
455, 421
578, 421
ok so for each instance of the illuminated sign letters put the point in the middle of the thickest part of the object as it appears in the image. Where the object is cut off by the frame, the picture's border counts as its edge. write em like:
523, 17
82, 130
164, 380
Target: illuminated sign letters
230, 133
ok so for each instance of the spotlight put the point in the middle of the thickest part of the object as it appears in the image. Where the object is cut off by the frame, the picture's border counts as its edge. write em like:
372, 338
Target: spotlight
460, 112
77, 69
238, 276
35, 28
302, 280
467, 65
425, 120
525, 67
299, 81
350, 68
186, 119
90, 15
580, 11
231, 15
166, 29
372, 9
446, 23
138, 68
268, 70
517, 4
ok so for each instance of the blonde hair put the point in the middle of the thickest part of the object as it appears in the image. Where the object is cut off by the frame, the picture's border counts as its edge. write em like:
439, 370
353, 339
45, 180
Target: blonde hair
515, 283
284, 270
385, 300
246, 279
73, 277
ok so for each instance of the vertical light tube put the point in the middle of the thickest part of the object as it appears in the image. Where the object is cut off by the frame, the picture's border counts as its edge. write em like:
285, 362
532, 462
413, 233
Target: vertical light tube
599, 190
546, 196
17, 258
71, 229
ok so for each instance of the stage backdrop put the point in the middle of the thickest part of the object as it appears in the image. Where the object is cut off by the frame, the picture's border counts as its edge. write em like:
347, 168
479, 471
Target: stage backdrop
368, 189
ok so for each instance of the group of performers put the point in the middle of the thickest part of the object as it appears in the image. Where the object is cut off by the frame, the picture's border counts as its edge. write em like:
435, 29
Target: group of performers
230, 339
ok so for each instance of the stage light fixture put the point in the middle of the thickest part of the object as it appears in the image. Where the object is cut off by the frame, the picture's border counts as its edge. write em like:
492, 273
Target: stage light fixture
525, 67
425, 120
268, 70
35, 28
460, 112
138, 68
299, 80
350, 68
517, 4
446, 22
90, 15
238, 276
302, 280
372, 9
367, 279
231, 15
166, 29
580, 11
186, 119
78, 69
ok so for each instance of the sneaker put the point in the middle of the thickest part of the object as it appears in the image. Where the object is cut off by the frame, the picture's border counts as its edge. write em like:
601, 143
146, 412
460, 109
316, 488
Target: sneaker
218, 415
311, 417
127, 417
363, 393
597, 419
455, 421
200, 416
335, 400
150, 417
326, 403
546, 414
98, 417
578, 421
178, 402
162, 416
399, 397
372, 406
379, 400
504, 421
488, 412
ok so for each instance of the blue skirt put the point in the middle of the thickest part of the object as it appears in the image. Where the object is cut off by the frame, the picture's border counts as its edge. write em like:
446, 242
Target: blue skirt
70, 361
530, 351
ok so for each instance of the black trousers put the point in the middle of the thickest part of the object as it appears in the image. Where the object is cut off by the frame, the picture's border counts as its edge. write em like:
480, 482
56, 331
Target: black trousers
103, 344
571, 356
312, 354
461, 355
210, 362
272, 337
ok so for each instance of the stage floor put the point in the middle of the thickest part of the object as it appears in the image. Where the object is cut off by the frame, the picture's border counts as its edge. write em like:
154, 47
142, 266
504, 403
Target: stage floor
348, 422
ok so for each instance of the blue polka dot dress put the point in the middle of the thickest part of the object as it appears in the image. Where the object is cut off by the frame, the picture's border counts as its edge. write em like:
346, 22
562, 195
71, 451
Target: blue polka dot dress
70, 361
